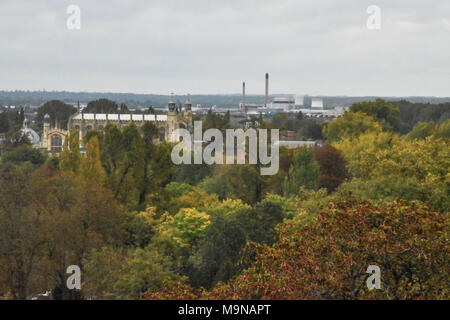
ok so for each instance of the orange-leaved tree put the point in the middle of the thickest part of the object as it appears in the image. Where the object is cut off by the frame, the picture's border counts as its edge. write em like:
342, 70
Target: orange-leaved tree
328, 258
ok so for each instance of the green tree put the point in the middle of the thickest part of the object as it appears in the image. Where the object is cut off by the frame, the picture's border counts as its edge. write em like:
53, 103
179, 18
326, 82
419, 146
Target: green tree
129, 175
103, 268
21, 239
303, 172
147, 270
189, 226
101, 106
215, 121
136, 167
13, 138
80, 215
412, 113
74, 144
91, 165
361, 154
141, 227
242, 182
233, 225
24, 153
332, 170
190, 173
422, 130
123, 108
219, 251
388, 167
309, 129
20, 116
93, 133
70, 158
57, 110
4, 122
214, 185
151, 173
112, 151
351, 125
185, 196
176, 189
444, 130
384, 112
50, 219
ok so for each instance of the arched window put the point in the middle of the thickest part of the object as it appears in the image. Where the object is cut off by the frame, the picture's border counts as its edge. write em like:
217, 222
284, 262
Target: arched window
56, 145
162, 135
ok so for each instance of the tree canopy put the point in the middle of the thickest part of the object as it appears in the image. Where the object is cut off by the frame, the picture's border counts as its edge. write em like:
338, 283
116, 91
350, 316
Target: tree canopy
141, 227
57, 110
104, 106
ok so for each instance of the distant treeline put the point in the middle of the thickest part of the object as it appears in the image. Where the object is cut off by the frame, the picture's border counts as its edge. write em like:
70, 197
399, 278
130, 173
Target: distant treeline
412, 113
221, 100
39, 97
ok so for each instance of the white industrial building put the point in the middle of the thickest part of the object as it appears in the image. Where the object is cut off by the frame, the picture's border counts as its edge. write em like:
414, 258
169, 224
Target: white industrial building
289, 104
317, 104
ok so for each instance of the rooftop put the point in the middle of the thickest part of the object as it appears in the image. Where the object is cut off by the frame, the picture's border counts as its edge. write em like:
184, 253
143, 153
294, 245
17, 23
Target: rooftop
121, 117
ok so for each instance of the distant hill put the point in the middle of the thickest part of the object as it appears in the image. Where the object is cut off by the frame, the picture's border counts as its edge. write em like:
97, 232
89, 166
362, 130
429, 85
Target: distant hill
37, 98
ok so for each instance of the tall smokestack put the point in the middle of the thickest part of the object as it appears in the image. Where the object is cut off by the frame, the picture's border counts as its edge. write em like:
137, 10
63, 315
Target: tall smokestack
266, 97
243, 97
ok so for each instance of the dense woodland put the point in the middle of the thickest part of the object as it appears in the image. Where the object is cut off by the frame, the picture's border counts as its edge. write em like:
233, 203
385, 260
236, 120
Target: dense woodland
139, 227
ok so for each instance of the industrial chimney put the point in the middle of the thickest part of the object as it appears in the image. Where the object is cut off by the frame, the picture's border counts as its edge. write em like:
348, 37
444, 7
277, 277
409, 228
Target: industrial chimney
266, 97
243, 97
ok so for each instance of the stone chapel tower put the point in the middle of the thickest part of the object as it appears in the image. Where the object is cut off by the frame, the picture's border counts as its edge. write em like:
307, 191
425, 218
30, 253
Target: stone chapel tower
172, 120
45, 132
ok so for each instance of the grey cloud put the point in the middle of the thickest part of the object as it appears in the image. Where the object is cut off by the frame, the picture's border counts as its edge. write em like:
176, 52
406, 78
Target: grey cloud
200, 46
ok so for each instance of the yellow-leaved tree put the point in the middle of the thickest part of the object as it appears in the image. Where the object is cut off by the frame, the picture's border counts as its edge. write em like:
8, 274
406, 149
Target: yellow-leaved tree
70, 158
91, 165
386, 166
351, 126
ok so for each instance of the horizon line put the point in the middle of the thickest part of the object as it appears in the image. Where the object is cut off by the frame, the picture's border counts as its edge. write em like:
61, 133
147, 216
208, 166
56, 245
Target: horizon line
223, 94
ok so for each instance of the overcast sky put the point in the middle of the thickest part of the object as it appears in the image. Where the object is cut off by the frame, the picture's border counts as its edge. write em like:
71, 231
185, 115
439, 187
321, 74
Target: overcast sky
319, 47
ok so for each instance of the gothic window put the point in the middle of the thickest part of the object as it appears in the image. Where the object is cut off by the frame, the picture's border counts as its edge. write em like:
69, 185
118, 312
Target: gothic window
56, 143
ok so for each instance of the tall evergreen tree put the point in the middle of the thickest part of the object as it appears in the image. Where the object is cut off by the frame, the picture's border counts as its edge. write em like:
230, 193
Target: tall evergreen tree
64, 158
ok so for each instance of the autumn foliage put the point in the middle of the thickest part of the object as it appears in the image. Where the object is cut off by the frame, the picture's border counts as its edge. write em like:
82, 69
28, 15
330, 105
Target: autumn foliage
139, 226
332, 165
328, 258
